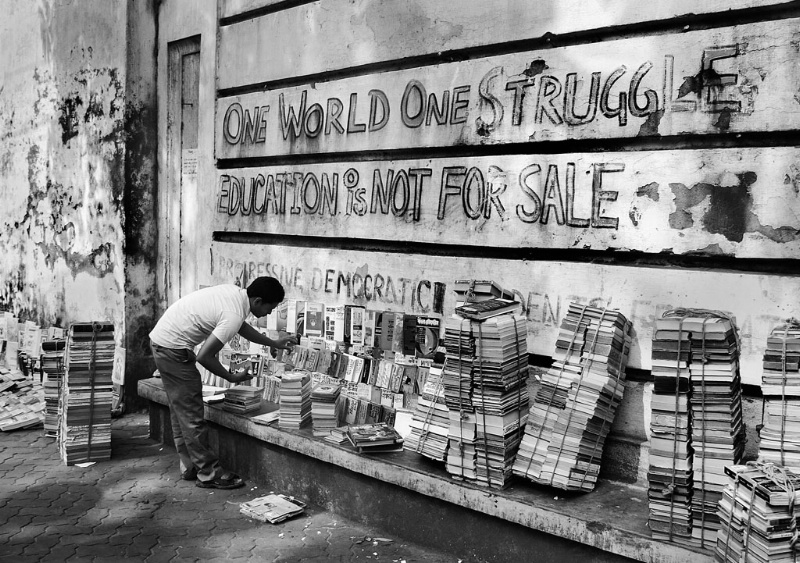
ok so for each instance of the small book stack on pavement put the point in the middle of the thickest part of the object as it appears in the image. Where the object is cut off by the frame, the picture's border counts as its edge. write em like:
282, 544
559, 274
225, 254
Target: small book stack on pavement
295, 405
780, 436
375, 438
758, 514
325, 408
272, 508
575, 404
242, 399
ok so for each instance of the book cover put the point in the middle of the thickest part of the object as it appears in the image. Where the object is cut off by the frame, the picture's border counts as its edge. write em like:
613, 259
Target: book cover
357, 325
370, 319
387, 330
314, 319
295, 316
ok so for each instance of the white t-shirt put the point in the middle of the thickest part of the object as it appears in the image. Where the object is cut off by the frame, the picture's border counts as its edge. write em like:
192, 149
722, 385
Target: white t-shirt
219, 310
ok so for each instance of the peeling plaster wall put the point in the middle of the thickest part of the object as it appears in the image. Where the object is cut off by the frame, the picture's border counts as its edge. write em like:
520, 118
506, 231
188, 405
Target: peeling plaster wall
62, 156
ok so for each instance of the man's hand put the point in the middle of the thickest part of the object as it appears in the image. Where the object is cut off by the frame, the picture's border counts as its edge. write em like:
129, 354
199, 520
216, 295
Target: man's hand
287, 342
240, 375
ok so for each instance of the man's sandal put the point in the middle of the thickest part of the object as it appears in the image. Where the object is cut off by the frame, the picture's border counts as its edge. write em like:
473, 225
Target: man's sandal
225, 481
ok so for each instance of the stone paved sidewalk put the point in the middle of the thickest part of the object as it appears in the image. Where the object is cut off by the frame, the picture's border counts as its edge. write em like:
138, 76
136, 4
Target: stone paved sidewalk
134, 508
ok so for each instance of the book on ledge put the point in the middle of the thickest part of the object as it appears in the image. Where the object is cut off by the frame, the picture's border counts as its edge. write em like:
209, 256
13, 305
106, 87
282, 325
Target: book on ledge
486, 309
376, 437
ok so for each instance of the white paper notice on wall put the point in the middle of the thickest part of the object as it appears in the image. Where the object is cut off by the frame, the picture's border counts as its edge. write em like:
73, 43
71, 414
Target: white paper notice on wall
118, 371
189, 163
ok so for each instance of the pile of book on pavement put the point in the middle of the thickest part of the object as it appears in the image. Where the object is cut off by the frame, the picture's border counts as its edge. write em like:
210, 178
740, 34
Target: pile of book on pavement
758, 514
485, 384
325, 408
242, 399
86, 393
272, 508
430, 421
295, 400
698, 392
21, 401
377, 437
576, 401
780, 435
52, 366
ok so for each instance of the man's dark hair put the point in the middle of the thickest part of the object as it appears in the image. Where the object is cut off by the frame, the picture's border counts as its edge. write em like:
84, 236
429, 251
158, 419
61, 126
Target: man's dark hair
267, 288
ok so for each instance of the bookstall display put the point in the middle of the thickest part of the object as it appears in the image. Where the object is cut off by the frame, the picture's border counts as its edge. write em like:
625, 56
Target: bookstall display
780, 435
485, 387
52, 366
86, 394
295, 400
758, 514
575, 404
698, 391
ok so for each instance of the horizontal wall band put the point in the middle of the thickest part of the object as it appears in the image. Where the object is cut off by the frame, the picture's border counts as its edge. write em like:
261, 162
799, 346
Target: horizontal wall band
779, 267
263, 11
547, 41
757, 139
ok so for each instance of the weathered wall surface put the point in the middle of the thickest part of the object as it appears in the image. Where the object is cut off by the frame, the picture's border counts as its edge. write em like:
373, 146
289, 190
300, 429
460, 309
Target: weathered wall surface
77, 166
62, 157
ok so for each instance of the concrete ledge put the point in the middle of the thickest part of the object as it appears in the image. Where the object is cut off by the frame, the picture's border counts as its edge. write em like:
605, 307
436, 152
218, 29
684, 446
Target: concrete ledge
612, 519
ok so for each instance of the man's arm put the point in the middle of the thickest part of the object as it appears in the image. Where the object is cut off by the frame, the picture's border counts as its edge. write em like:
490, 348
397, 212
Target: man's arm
207, 357
253, 335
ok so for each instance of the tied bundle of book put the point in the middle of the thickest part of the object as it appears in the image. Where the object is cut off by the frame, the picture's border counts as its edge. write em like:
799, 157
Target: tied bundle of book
780, 436
325, 408
295, 404
52, 366
86, 394
576, 401
430, 421
378, 437
703, 345
758, 514
272, 508
485, 375
670, 471
242, 399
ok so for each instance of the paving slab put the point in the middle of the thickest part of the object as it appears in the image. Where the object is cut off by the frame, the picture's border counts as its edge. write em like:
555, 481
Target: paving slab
134, 507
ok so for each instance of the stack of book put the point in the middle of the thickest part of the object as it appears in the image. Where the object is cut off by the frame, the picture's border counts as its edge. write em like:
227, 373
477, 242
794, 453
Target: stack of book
377, 437
758, 514
431, 422
52, 365
472, 291
577, 399
780, 436
670, 471
295, 400
21, 402
272, 508
325, 408
242, 399
717, 436
86, 394
457, 387
499, 395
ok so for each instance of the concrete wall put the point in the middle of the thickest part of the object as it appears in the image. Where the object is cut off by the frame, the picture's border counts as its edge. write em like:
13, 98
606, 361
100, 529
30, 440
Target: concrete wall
75, 157
640, 157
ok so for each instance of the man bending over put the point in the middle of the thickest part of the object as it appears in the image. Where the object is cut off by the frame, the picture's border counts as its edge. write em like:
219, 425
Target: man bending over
212, 315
